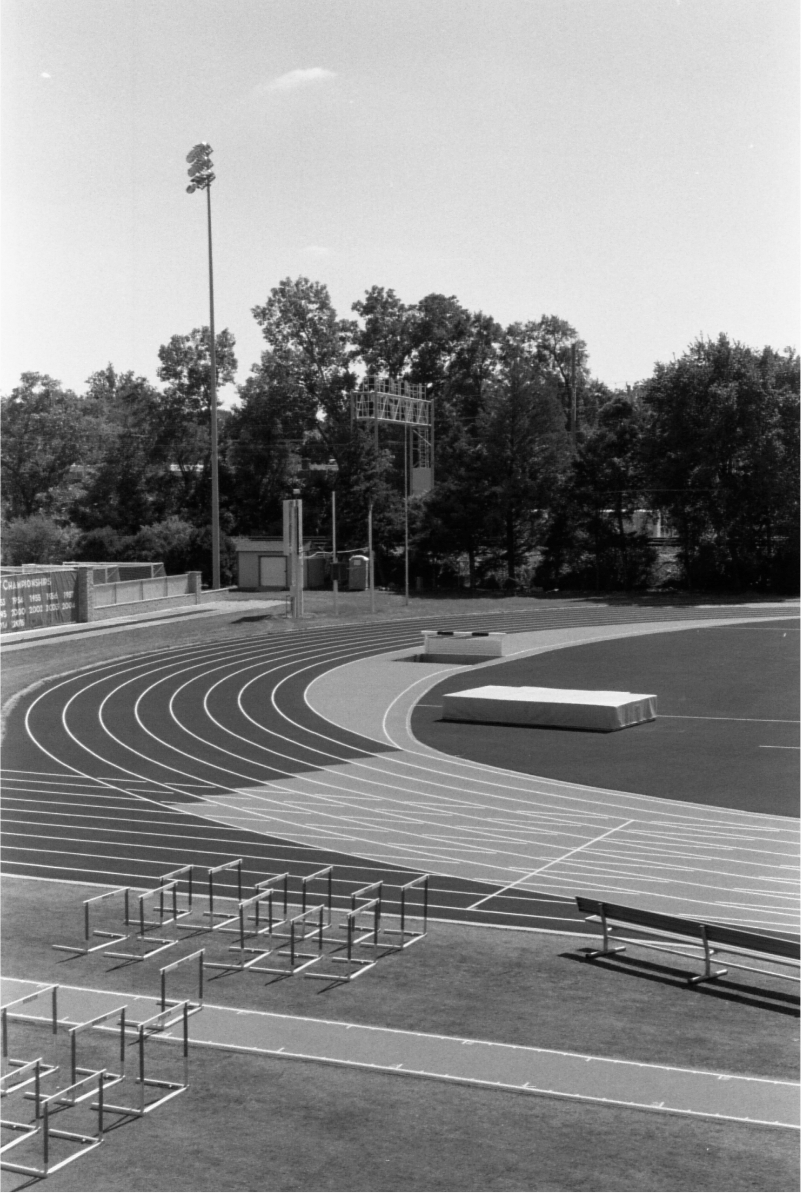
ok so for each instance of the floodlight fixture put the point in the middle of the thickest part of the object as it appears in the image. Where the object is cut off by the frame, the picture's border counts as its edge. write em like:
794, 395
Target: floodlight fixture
200, 167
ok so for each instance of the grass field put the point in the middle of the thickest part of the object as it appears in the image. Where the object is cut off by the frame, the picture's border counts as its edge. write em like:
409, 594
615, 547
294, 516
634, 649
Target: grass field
258, 1123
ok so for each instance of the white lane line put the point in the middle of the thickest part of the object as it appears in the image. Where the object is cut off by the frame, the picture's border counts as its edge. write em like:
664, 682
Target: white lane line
780, 747
555, 862
756, 720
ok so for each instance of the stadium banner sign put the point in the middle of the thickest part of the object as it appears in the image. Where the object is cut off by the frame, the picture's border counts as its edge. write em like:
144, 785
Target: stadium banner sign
32, 600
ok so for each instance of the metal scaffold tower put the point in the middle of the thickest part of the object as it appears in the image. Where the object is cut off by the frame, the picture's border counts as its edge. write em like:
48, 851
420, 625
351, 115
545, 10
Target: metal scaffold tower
384, 400
380, 399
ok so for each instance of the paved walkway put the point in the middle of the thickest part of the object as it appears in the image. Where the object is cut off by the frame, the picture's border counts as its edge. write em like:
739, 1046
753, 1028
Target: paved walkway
510, 1067
107, 624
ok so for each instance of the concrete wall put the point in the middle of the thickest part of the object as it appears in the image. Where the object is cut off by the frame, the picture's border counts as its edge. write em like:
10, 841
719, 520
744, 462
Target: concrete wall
88, 610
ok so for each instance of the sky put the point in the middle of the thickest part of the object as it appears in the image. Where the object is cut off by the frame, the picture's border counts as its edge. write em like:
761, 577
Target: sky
631, 166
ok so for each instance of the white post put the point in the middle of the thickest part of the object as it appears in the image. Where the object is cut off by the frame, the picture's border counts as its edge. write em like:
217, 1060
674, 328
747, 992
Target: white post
334, 546
370, 562
299, 556
406, 513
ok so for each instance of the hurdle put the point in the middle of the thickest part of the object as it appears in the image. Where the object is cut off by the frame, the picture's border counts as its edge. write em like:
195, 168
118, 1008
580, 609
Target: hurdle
148, 1029
161, 942
165, 969
410, 936
89, 906
355, 935
176, 876
207, 921
319, 875
246, 933
7, 1012
28, 1072
269, 884
294, 931
89, 1086
234, 865
75, 1069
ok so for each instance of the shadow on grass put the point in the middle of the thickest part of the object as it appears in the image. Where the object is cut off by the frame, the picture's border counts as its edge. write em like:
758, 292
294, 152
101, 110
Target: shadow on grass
257, 617
781, 1002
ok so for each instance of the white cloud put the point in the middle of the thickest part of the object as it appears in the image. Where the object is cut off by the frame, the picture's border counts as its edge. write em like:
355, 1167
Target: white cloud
45, 75
295, 79
316, 250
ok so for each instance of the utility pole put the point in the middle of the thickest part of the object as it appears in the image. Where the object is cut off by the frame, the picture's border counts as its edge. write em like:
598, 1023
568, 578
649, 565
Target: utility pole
573, 398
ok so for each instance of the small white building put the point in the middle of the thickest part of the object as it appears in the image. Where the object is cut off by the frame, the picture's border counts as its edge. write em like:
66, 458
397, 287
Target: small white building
261, 565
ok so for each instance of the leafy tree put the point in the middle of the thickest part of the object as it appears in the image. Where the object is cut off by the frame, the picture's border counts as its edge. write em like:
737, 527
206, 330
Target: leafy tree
527, 446
128, 481
458, 512
183, 427
593, 539
300, 393
386, 339
722, 452
37, 539
42, 440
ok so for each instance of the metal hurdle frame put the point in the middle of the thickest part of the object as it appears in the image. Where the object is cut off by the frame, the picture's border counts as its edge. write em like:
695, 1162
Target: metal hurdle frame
145, 1030
298, 932
165, 969
326, 872
236, 864
67, 1097
410, 936
16, 1015
206, 922
27, 1072
89, 932
355, 965
161, 942
245, 933
75, 1069
176, 876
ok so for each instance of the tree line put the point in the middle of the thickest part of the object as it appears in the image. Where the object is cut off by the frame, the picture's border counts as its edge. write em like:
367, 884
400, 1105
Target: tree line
542, 472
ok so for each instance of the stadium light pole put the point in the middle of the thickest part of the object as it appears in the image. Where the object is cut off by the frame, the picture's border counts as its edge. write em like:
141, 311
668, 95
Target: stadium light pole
201, 172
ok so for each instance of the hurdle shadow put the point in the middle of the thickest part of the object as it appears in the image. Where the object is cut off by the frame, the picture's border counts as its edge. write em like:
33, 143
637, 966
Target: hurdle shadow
779, 1001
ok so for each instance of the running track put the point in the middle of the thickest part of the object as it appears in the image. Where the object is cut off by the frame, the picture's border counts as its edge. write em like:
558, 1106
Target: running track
120, 773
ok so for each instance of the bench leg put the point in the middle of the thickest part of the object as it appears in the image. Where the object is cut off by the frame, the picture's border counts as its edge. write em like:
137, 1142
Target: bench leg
707, 975
607, 931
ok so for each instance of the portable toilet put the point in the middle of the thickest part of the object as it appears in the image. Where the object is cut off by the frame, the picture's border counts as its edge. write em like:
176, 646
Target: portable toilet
358, 573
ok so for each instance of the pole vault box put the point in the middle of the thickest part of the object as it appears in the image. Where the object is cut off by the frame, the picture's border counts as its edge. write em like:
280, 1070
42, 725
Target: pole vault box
549, 708
462, 646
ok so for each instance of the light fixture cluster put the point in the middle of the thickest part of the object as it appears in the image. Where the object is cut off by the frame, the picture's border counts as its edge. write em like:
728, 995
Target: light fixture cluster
200, 167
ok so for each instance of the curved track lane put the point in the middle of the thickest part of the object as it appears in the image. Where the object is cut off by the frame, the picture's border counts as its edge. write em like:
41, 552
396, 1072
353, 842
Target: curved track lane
130, 769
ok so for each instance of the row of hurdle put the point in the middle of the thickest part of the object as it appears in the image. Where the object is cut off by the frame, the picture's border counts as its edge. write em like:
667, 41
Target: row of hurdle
288, 926
42, 1093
